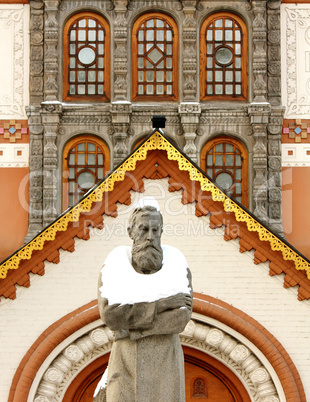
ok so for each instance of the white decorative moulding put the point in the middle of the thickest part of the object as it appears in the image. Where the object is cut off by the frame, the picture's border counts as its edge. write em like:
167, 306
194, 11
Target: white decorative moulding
14, 155
295, 155
295, 45
14, 67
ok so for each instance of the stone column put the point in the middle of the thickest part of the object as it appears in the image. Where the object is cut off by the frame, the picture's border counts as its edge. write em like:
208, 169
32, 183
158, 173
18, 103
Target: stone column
274, 52
51, 112
260, 51
189, 42
50, 118
276, 118
190, 117
36, 52
51, 51
35, 173
34, 119
121, 117
259, 114
275, 170
120, 53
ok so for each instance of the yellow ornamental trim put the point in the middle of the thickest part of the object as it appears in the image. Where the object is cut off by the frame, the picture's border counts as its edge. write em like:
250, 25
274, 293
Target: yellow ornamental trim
156, 141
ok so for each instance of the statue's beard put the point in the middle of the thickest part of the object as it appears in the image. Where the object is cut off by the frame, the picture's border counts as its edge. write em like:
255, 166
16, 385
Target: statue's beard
147, 258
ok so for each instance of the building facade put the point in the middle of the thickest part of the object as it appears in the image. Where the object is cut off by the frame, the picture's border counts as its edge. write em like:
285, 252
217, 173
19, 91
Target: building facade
248, 336
99, 71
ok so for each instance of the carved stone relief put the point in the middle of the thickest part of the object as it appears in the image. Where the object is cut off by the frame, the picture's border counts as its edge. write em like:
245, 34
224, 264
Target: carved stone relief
121, 114
297, 59
259, 119
50, 118
260, 51
36, 52
13, 48
120, 54
229, 121
275, 169
217, 343
189, 51
51, 50
274, 53
190, 113
35, 172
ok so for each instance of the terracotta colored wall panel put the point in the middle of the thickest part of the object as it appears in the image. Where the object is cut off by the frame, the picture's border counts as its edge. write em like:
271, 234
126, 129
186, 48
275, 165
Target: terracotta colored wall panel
13, 207
296, 207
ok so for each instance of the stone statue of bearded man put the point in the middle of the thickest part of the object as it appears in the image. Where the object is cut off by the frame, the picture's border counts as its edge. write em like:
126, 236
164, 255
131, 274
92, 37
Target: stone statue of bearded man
145, 297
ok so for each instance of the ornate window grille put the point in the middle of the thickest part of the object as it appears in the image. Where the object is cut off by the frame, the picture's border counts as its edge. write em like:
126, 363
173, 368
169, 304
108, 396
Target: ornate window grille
225, 161
86, 162
223, 58
86, 68
155, 58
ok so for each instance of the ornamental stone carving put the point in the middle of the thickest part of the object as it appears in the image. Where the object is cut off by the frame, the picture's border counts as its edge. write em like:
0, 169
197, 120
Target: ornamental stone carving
274, 163
13, 53
190, 113
121, 118
260, 51
260, 376
50, 118
296, 54
274, 54
36, 172
51, 50
189, 51
120, 55
54, 375
239, 353
212, 340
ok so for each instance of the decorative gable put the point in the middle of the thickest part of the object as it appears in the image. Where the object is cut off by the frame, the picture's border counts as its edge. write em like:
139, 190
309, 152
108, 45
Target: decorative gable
156, 158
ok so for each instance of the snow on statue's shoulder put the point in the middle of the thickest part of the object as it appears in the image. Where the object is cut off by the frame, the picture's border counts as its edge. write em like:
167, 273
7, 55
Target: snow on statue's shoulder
121, 284
117, 253
172, 253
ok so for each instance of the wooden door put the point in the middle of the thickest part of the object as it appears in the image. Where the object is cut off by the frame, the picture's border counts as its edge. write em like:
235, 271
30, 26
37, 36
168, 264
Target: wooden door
206, 379
201, 385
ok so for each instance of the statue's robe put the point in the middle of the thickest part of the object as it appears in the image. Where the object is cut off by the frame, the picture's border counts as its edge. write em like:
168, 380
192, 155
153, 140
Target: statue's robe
146, 362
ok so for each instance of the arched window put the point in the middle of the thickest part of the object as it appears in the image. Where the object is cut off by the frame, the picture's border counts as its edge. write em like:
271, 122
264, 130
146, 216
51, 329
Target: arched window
86, 58
224, 54
155, 58
86, 161
225, 160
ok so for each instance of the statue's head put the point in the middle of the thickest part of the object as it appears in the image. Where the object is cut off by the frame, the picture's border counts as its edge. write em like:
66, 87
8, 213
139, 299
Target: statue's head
145, 229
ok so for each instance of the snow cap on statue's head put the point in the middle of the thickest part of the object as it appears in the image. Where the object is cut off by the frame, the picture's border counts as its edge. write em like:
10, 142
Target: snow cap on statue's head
148, 201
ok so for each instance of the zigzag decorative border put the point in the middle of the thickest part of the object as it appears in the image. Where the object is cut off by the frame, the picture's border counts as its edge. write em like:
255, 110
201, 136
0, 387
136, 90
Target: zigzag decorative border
156, 141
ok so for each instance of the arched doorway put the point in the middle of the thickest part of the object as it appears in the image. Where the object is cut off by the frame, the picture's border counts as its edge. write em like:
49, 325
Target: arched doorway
243, 348
83, 386
206, 379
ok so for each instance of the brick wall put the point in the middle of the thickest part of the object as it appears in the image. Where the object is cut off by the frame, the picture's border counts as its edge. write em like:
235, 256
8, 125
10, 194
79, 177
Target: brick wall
218, 269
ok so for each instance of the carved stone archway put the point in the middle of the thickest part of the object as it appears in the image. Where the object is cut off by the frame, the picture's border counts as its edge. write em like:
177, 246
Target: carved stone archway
221, 331
255, 376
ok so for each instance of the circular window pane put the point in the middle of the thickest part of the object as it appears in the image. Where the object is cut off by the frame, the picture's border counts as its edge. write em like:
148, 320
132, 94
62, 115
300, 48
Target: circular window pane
223, 55
87, 55
224, 180
86, 180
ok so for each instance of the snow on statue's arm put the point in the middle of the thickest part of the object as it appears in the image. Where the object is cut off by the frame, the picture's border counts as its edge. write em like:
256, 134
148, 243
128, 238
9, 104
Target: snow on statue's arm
172, 315
125, 316
163, 316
